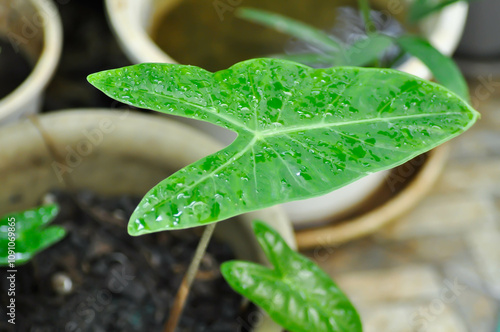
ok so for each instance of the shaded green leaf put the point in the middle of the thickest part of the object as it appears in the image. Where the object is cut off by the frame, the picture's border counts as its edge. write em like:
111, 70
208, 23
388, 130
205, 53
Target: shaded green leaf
361, 53
443, 68
32, 233
419, 9
296, 294
302, 132
291, 27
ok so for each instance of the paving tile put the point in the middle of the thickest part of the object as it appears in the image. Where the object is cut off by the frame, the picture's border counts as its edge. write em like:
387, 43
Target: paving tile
477, 310
363, 254
408, 318
436, 250
490, 114
484, 144
465, 271
483, 176
443, 215
485, 248
407, 282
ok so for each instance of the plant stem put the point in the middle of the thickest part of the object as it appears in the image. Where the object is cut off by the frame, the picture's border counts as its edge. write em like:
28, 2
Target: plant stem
187, 281
364, 6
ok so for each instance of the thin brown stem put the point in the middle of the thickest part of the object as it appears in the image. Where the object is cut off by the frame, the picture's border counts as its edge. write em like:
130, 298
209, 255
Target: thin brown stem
187, 281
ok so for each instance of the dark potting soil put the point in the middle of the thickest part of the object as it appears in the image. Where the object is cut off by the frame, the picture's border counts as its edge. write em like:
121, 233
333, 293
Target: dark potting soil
99, 278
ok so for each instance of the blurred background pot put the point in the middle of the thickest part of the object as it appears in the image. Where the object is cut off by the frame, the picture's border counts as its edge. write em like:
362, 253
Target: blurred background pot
31, 35
479, 49
133, 21
105, 153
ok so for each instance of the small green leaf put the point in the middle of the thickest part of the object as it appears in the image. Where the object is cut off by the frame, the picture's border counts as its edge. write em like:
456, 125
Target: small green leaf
31, 233
419, 9
291, 27
302, 132
296, 294
443, 68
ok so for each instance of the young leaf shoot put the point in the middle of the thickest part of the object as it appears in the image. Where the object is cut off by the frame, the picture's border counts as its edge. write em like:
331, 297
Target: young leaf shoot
30, 232
296, 293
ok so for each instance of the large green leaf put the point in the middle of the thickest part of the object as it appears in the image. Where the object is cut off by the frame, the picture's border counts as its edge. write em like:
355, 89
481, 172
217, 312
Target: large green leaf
296, 294
31, 233
302, 132
443, 68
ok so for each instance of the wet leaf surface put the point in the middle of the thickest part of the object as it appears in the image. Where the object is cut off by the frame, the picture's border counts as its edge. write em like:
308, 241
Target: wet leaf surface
302, 132
296, 293
32, 233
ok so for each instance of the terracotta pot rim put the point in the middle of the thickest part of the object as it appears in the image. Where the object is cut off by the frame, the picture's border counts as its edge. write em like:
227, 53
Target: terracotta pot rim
14, 104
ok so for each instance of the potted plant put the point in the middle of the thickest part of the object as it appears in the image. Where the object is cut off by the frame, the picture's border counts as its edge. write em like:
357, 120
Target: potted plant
103, 152
31, 34
316, 129
338, 124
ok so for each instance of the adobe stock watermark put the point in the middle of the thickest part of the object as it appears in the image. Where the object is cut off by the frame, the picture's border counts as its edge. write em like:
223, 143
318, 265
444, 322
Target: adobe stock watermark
382, 19
221, 7
422, 319
95, 303
31, 27
325, 249
404, 172
253, 321
74, 156
484, 90
11, 272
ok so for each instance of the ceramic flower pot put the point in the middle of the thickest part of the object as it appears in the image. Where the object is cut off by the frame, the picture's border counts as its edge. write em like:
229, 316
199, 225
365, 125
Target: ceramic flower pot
133, 20
104, 151
480, 38
34, 31
479, 50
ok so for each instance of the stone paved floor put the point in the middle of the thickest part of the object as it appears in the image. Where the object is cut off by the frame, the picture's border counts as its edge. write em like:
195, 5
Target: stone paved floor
438, 268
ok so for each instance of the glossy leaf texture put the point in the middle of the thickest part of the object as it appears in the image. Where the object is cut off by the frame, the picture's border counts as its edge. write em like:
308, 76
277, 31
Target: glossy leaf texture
32, 233
296, 293
443, 68
302, 132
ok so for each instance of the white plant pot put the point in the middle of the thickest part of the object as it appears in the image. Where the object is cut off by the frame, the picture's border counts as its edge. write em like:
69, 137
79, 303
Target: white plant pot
115, 153
34, 26
131, 21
